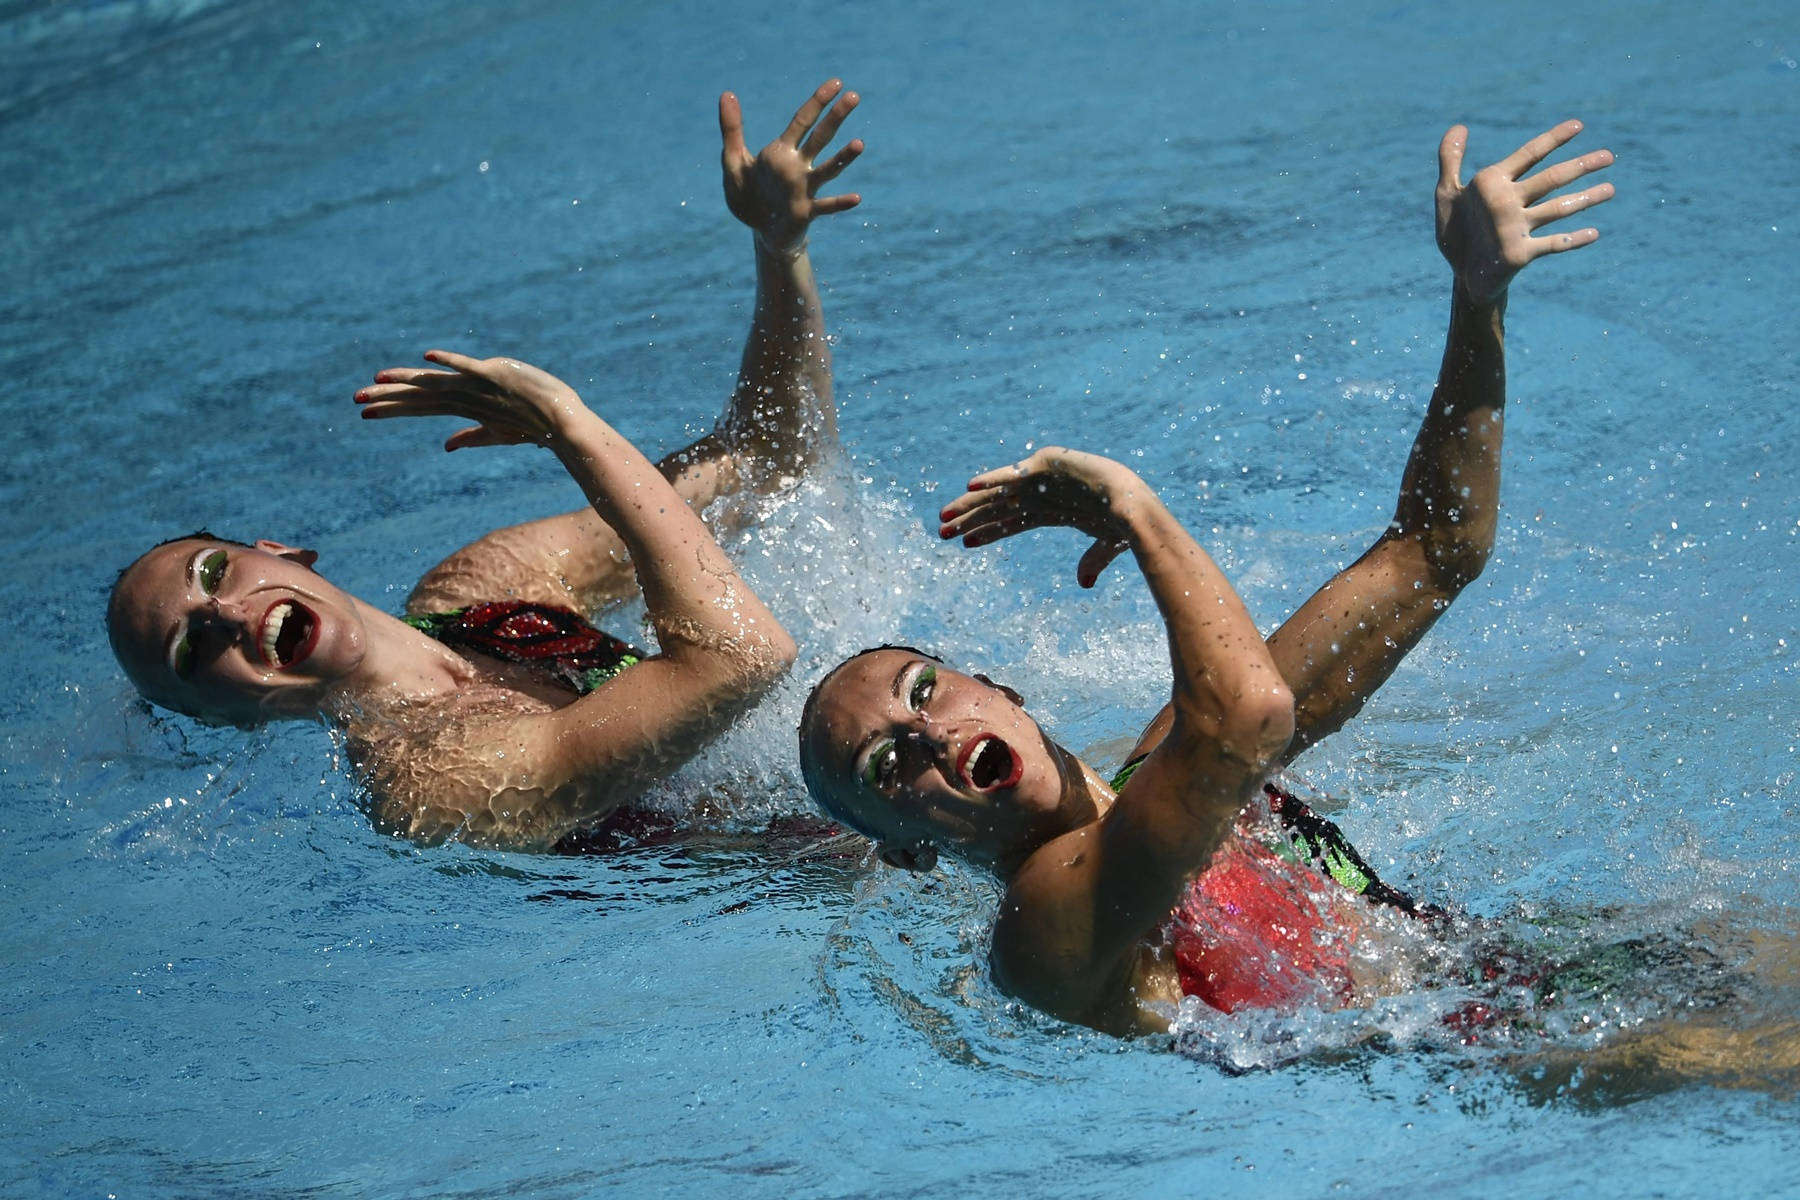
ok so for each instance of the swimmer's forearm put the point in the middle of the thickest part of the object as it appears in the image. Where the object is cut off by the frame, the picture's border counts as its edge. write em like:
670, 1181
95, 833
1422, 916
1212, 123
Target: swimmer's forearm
1225, 683
691, 589
781, 413
633, 498
1450, 492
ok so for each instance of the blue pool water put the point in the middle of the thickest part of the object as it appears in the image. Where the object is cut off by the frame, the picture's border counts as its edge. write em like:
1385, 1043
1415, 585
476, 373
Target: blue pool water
1192, 235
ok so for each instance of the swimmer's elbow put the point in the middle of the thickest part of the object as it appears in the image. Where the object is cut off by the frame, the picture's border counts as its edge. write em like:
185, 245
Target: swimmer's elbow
1262, 725
784, 652
763, 664
1455, 555
1253, 727
1458, 564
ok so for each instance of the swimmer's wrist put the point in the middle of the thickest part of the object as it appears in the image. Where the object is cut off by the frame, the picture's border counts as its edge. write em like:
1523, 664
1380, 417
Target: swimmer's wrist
789, 254
1460, 295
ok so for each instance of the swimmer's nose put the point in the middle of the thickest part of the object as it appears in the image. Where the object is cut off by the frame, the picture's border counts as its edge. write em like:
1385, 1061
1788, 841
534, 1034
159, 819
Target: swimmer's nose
936, 736
219, 615
931, 748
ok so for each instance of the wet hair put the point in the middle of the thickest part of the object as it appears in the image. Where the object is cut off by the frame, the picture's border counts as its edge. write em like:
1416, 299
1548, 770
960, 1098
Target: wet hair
810, 770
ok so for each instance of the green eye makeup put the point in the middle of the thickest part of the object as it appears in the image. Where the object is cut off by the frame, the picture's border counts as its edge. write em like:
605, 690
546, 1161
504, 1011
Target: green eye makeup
923, 683
883, 767
182, 661
212, 571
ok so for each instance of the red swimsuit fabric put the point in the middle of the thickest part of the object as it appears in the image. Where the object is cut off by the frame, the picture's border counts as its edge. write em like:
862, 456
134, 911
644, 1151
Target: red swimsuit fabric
1251, 933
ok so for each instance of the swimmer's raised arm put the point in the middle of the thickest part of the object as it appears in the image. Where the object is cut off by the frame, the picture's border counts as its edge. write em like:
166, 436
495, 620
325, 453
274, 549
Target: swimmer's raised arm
780, 417
529, 779
1347, 639
1074, 917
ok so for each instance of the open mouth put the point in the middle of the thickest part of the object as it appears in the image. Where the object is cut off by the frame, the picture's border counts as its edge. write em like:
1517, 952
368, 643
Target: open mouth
289, 633
988, 763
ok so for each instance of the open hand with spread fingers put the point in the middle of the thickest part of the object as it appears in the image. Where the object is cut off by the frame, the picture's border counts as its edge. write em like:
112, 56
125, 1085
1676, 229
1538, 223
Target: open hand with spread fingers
513, 402
1485, 227
775, 192
1052, 487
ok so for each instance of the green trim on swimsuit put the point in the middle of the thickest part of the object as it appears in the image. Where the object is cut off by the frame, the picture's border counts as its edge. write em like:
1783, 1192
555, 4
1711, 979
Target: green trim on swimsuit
1296, 847
432, 624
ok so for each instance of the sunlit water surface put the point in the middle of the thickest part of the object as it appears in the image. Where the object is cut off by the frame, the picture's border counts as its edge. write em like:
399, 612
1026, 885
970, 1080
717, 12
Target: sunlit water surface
1194, 236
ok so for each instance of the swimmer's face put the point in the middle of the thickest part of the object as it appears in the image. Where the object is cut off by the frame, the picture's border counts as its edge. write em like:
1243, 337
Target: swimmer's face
918, 756
233, 634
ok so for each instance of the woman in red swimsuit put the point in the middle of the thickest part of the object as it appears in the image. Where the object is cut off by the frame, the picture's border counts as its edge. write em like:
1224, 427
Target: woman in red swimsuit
1182, 882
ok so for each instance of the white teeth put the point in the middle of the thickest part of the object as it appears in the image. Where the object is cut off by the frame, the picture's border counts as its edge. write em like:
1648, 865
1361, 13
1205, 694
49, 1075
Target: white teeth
271, 630
991, 746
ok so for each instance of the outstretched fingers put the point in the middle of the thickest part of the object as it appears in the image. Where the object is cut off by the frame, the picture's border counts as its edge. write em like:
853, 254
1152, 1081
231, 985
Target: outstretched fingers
1012, 473
826, 205
826, 171
1560, 175
409, 392
378, 404
1557, 243
809, 111
990, 528
1537, 149
462, 364
1557, 208
825, 130
731, 129
978, 509
1450, 157
415, 376
1012, 506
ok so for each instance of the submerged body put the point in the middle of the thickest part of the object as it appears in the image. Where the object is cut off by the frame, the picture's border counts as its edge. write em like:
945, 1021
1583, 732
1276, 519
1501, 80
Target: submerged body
456, 736
1117, 904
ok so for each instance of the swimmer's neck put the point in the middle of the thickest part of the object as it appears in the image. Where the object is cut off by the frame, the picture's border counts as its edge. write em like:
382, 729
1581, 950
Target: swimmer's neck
1085, 798
401, 668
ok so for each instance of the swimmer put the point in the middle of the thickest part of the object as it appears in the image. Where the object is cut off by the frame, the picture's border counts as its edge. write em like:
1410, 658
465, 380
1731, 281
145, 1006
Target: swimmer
1186, 874
493, 712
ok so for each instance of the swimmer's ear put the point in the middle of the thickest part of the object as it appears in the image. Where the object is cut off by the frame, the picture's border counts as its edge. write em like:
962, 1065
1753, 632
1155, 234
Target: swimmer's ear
1003, 690
305, 558
919, 857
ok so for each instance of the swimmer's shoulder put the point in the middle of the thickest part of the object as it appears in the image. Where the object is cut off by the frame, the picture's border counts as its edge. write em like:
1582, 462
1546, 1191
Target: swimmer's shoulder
1045, 947
471, 768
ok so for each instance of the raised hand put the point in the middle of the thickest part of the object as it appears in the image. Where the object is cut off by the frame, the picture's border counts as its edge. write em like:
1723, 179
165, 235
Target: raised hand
513, 402
1053, 487
1484, 227
775, 192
